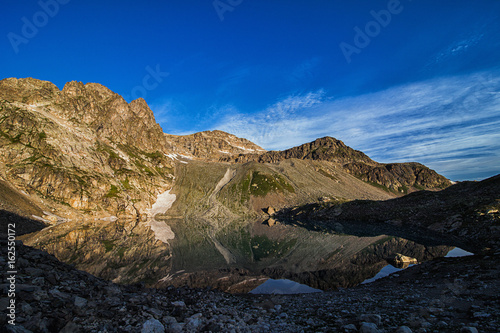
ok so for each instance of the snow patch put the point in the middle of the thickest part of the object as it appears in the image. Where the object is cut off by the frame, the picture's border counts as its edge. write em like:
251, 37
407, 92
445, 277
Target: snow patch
162, 231
172, 156
163, 203
184, 156
107, 219
41, 219
243, 148
175, 157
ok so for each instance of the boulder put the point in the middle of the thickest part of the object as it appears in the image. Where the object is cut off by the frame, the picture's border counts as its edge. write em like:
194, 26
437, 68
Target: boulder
368, 328
371, 318
153, 326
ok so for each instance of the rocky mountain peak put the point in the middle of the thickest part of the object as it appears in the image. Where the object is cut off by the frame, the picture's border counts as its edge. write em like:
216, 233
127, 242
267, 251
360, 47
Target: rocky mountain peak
100, 89
141, 109
213, 145
73, 88
26, 90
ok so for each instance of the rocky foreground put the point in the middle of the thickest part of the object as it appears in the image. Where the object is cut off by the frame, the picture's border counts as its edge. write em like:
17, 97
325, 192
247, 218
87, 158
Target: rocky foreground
444, 295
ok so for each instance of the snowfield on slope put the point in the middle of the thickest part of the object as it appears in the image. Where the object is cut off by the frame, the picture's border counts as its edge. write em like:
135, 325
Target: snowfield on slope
162, 231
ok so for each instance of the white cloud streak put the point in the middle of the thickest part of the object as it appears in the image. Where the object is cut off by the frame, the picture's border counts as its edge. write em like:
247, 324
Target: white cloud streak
450, 124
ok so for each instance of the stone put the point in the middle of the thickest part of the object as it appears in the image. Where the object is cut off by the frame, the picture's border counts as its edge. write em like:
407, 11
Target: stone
80, 302
271, 222
271, 211
349, 328
153, 326
175, 328
156, 312
481, 315
194, 322
17, 329
403, 329
70, 327
168, 320
179, 303
468, 329
34, 271
368, 328
400, 258
371, 318
27, 309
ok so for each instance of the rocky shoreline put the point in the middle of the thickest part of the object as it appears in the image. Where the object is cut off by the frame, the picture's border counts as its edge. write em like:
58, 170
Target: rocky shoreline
443, 295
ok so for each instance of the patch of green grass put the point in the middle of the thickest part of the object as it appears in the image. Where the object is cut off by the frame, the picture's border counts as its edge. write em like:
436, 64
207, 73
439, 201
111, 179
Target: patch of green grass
121, 251
262, 184
154, 156
403, 189
378, 186
113, 154
113, 192
131, 151
144, 168
126, 184
12, 139
326, 174
418, 187
108, 244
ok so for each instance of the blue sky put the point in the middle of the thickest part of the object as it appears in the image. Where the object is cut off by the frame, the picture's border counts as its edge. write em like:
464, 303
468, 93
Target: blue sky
400, 80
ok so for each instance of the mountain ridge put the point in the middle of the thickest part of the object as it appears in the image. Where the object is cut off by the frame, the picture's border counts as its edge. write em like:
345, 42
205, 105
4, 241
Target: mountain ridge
85, 149
398, 177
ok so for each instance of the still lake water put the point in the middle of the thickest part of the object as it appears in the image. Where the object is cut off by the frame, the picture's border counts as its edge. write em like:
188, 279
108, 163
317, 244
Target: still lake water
284, 286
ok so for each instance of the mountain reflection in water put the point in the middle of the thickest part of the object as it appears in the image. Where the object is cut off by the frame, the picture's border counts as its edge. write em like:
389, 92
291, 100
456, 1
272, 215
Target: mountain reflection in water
233, 256
389, 269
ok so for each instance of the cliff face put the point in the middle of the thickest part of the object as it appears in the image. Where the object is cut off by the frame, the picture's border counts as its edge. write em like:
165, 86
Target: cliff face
83, 147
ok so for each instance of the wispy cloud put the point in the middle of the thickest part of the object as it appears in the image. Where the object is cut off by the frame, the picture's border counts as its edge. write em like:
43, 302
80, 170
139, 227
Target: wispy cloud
276, 124
450, 124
